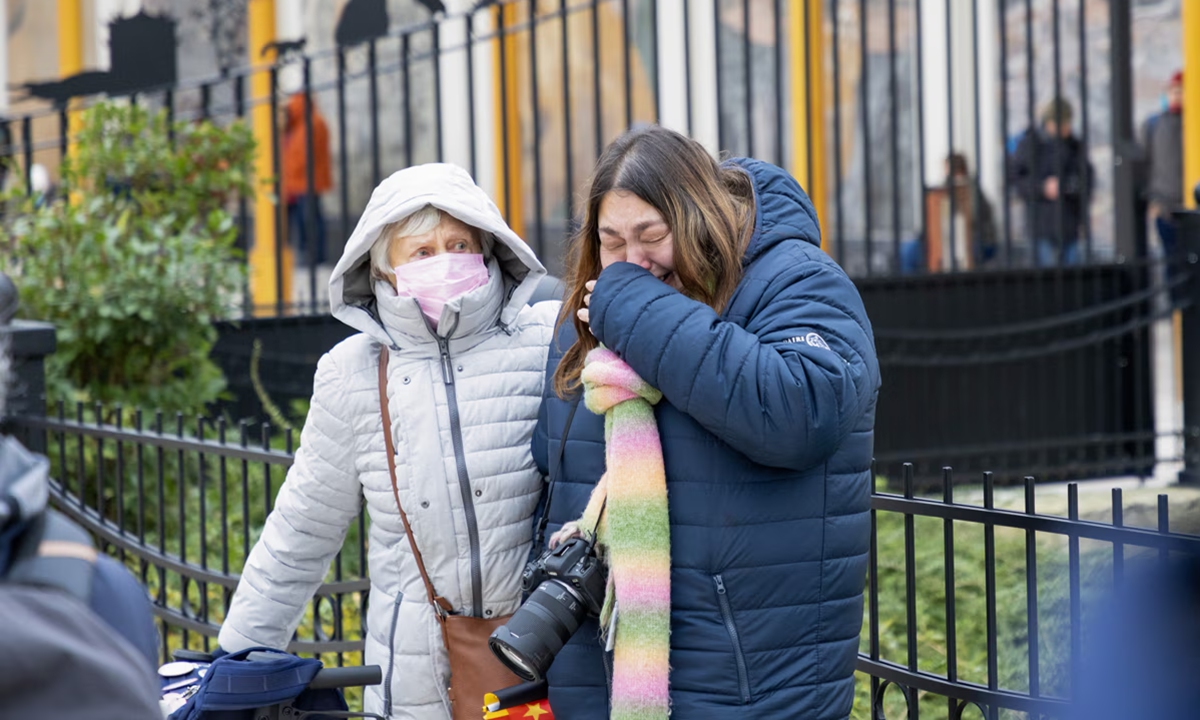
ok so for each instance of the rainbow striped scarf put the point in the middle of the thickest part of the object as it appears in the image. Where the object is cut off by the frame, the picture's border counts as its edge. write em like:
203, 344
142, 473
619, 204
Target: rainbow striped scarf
628, 508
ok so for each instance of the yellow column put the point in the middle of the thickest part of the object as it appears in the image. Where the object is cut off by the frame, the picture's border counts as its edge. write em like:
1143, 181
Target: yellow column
510, 196
265, 282
70, 55
1191, 99
807, 31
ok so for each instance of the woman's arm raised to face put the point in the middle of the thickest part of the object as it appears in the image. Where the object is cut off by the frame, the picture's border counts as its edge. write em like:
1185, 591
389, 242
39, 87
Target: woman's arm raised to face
784, 390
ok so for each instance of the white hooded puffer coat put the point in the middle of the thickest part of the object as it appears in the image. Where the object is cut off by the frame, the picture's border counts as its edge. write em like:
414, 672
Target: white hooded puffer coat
463, 406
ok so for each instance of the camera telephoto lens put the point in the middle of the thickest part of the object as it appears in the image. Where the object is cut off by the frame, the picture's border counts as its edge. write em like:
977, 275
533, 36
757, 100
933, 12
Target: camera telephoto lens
531, 639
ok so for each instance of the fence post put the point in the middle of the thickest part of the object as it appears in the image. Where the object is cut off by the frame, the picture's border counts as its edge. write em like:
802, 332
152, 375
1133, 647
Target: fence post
1188, 223
29, 343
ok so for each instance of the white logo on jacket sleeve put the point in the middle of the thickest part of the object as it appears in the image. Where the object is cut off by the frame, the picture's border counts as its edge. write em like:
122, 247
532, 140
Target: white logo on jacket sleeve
812, 339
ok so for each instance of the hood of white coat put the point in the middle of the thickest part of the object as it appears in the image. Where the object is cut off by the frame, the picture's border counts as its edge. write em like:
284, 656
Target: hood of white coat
450, 189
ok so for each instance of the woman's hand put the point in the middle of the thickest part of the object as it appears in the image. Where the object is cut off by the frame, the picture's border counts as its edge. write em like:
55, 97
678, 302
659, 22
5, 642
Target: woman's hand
587, 302
566, 532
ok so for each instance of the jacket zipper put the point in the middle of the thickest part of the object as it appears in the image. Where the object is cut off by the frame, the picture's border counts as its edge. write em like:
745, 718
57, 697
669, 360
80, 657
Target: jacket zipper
387, 681
464, 480
731, 628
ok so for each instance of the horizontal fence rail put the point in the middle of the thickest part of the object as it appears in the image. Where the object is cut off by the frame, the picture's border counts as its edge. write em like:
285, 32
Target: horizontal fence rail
975, 598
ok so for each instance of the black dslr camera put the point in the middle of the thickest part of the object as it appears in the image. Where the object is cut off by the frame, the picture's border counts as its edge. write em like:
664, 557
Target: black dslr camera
565, 586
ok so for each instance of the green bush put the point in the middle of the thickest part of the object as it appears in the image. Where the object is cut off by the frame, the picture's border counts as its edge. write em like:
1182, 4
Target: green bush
135, 258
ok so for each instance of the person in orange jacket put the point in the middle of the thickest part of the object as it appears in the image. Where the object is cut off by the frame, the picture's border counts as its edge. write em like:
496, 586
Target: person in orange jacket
306, 222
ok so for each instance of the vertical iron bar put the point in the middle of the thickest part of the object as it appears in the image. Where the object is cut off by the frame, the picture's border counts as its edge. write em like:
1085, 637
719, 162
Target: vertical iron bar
470, 50
1076, 601
1124, 140
27, 141
406, 76
656, 76
181, 498
838, 219
121, 480
1031, 592
952, 243
865, 103
748, 76
99, 418
79, 469
239, 104
1164, 524
780, 64
873, 584
280, 209
244, 433
919, 94
1085, 134
989, 560
687, 62
538, 237
64, 133
503, 89
951, 604
169, 103
205, 101
1003, 25
311, 236
722, 131
436, 38
975, 185
266, 445
894, 131
202, 586
141, 493
343, 159
373, 108
626, 64
566, 93
224, 476
910, 572
1118, 515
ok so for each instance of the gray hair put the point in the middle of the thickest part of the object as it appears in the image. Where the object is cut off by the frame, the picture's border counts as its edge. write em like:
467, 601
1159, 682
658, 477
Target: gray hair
418, 223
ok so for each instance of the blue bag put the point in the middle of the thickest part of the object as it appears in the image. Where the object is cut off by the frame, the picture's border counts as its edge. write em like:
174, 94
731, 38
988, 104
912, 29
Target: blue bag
238, 683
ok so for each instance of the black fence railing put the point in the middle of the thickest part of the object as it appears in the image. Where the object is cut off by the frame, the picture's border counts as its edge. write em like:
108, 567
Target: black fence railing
525, 93
977, 595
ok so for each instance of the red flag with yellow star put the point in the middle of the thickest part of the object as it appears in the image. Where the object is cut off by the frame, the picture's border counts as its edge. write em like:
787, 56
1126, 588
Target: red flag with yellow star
539, 710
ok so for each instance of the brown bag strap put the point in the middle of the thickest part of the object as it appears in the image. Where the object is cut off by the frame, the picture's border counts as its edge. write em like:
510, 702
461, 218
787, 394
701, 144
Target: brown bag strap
440, 605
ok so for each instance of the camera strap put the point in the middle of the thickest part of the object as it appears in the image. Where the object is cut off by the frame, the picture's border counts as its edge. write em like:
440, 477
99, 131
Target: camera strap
544, 520
441, 606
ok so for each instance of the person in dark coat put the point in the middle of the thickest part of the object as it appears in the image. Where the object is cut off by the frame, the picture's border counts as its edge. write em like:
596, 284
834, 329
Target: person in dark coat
709, 281
1051, 173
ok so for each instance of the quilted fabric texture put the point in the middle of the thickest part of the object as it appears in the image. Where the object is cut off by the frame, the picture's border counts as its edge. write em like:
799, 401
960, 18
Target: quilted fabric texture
473, 527
767, 433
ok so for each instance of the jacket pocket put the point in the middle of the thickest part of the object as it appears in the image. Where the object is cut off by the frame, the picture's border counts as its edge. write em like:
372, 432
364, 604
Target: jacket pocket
391, 666
734, 639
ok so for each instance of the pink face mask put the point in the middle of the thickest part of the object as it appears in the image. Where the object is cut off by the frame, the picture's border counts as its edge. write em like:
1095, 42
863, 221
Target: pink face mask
437, 280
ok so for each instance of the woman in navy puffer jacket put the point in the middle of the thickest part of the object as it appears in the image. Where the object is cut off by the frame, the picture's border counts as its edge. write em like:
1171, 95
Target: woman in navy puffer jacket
709, 281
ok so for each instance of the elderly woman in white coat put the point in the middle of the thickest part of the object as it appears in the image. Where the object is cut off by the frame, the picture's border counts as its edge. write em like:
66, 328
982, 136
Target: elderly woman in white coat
432, 272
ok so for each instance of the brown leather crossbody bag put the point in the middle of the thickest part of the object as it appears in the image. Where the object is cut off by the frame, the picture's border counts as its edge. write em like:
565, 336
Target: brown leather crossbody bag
474, 670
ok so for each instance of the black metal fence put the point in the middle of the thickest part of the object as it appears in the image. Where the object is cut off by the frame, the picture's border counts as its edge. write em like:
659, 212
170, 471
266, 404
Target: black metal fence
864, 100
977, 595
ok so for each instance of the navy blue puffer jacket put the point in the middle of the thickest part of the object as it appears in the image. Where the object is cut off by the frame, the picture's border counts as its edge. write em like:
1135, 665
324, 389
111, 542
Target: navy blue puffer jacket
767, 434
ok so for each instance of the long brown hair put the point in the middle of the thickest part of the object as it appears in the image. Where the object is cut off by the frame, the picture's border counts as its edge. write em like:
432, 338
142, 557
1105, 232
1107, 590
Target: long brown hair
709, 209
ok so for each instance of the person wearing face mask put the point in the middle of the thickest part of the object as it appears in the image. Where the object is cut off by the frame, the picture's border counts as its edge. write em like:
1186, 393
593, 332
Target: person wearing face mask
433, 275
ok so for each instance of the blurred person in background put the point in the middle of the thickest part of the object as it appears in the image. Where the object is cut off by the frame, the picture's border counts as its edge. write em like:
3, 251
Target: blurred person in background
1051, 173
306, 221
1162, 137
